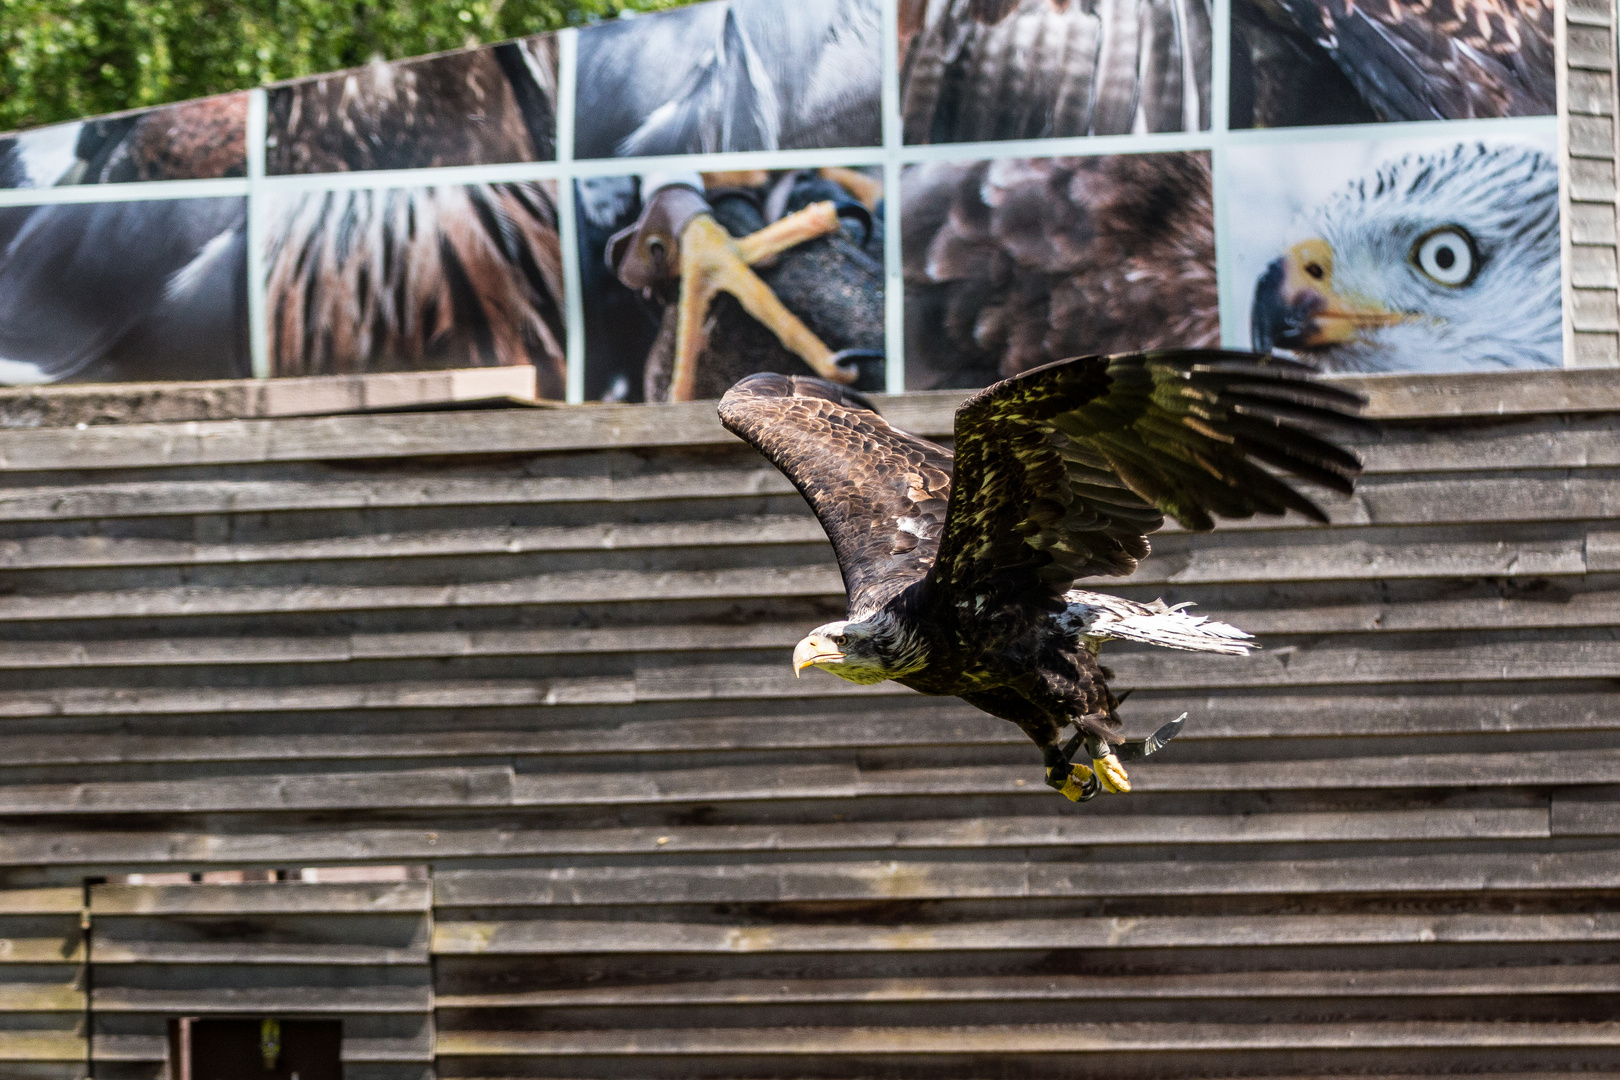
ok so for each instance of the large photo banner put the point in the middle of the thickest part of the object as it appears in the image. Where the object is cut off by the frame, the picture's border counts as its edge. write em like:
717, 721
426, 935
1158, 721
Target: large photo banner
912, 194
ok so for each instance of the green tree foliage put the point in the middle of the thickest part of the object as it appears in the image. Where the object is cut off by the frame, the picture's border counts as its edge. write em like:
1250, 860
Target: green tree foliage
66, 59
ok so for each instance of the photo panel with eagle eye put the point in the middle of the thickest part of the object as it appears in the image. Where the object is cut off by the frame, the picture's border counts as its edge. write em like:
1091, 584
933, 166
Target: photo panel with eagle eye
203, 139
1017, 262
489, 106
732, 75
370, 280
1311, 63
982, 70
144, 291
1436, 254
692, 281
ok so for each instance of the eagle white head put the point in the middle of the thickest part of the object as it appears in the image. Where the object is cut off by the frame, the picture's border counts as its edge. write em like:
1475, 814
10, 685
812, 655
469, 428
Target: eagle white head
1436, 262
862, 651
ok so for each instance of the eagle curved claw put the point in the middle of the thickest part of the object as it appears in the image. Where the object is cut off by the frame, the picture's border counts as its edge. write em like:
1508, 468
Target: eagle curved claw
845, 360
1078, 786
1111, 773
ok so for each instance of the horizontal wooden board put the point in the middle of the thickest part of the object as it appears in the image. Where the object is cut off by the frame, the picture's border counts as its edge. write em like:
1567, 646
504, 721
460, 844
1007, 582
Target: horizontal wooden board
465, 842
1015, 1039
236, 1000
913, 879
256, 898
497, 786
1582, 979
454, 936
27, 1046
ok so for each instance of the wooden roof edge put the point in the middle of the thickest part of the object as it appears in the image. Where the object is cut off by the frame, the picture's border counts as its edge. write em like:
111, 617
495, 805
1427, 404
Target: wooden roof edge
71, 404
400, 434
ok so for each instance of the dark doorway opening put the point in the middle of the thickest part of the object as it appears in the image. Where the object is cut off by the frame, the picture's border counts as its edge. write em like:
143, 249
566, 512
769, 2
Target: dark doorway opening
255, 1049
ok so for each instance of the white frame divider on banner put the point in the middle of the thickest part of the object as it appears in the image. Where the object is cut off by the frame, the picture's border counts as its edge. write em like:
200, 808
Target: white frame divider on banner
891, 157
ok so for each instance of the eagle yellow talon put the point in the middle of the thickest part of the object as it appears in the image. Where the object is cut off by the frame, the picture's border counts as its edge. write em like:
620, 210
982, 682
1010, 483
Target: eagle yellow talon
1076, 784
1111, 773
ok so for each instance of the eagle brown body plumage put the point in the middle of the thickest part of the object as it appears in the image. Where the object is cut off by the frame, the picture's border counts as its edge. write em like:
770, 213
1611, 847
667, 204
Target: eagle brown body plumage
959, 566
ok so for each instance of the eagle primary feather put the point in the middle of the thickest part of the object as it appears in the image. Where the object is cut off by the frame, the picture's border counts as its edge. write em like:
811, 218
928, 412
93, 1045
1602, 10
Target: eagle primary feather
959, 566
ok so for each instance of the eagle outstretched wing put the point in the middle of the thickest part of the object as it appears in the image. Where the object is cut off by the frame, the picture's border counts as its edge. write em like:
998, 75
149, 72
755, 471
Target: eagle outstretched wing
1060, 473
880, 493
1063, 471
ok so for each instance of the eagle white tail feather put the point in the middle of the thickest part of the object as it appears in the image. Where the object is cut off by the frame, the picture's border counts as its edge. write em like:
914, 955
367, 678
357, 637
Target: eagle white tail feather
1099, 617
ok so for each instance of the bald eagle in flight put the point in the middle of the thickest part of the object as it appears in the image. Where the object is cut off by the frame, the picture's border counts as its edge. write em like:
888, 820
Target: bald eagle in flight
959, 567
1436, 262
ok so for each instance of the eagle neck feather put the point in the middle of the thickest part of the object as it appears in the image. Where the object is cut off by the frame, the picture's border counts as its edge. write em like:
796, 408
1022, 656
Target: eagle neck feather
901, 645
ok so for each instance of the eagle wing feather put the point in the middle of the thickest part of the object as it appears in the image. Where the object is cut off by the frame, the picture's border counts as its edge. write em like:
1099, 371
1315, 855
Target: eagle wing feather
880, 493
1063, 471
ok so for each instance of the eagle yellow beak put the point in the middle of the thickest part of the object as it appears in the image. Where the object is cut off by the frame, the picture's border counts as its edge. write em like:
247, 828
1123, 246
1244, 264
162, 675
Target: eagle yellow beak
813, 650
1297, 305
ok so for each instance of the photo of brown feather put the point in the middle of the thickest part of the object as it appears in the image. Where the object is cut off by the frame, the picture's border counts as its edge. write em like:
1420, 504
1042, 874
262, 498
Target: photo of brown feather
1315, 62
484, 106
978, 70
417, 278
1016, 263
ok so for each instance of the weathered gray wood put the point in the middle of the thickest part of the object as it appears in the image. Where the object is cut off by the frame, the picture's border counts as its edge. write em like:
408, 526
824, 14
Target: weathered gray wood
334, 438
1330, 608
759, 882
362, 845
563, 588
317, 791
258, 899
128, 403
66, 1045
499, 786
1538, 443
1591, 47
56, 552
823, 725
457, 936
97, 702
41, 901
1551, 496
557, 673
1030, 1039
1593, 978
348, 1000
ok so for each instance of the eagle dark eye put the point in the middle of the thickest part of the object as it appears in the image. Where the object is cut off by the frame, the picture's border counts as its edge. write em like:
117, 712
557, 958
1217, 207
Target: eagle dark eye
1446, 255
839, 639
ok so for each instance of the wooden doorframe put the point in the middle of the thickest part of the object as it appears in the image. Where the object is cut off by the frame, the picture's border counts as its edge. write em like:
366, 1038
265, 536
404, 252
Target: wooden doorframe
180, 1047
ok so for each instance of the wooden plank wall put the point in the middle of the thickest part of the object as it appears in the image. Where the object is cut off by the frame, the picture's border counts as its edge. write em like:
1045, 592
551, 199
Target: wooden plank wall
545, 654
357, 952
1590, 143
43, 1006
